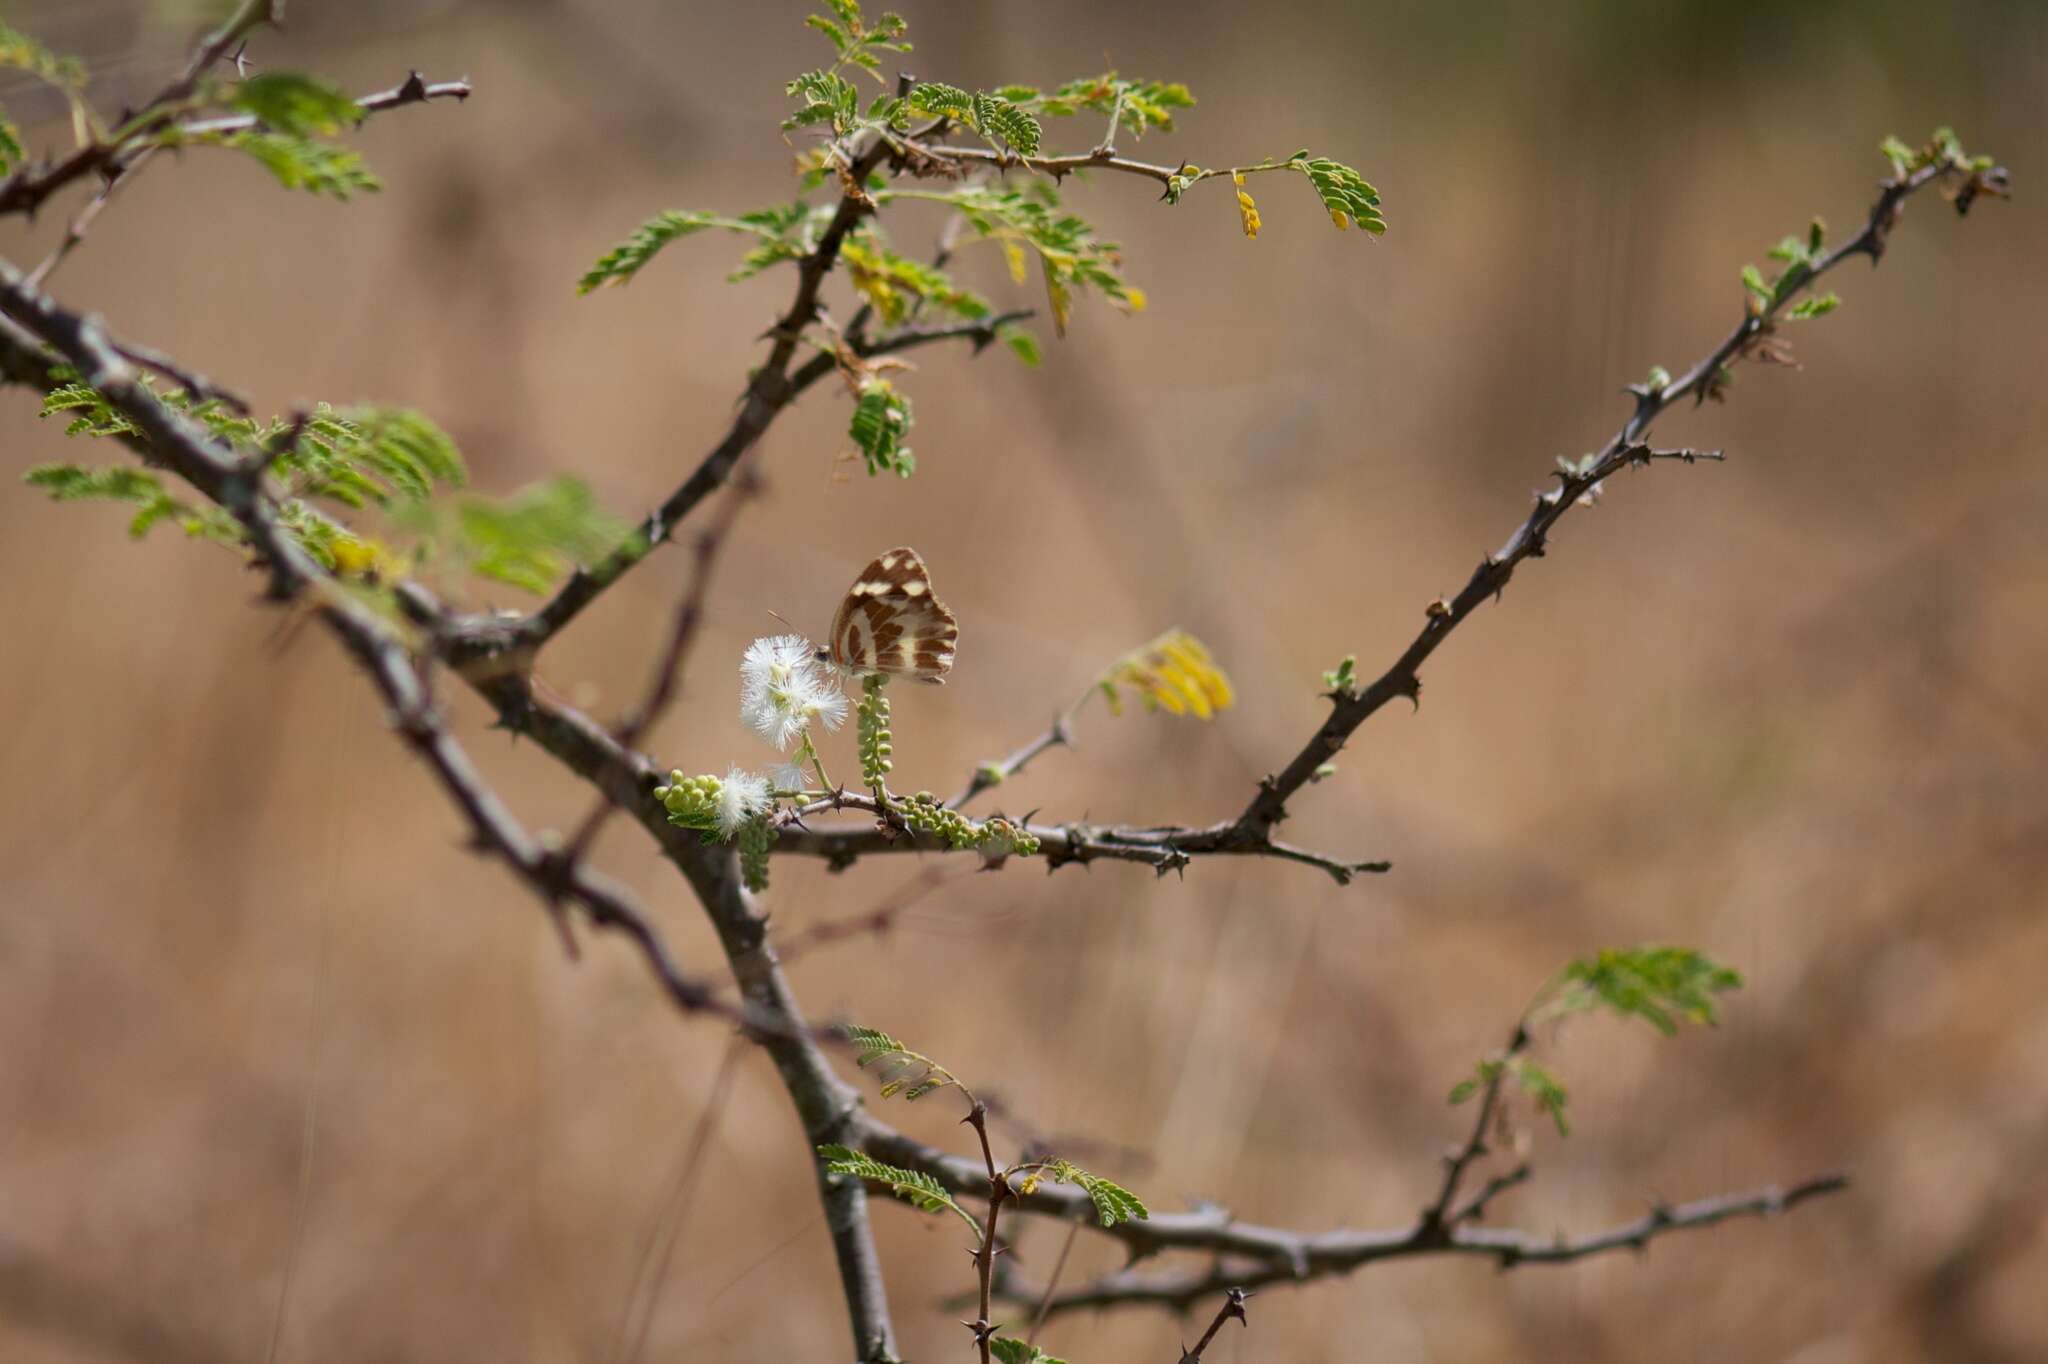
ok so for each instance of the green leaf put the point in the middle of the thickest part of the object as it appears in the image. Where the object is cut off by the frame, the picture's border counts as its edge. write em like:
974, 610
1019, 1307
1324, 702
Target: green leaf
1010, 1350
23, 53
1663, 986
1819, 305
11, 153
881, 419
919, 1190
622, 262
1753, 280
1542, 1086
295, 103
1903, 158
996, 117
1113, 1202
824, 97
1483, 1074
297, 162
1022, 341
942, 101
1344, 676
1347, 197
901, 1070
137, 488
531, 538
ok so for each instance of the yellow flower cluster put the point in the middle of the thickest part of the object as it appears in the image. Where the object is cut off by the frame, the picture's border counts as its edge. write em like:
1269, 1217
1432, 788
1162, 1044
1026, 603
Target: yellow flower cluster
1246, 208
1174, 671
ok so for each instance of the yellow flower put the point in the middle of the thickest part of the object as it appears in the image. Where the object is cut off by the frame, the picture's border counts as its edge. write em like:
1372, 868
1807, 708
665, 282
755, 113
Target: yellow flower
1247, 209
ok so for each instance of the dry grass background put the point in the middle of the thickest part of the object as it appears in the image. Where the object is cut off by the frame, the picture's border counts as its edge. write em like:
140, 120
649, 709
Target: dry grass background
276, 1050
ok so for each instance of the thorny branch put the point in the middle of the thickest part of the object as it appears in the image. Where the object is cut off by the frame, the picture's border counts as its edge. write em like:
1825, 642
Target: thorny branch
1351, 708
1231, 1310
488, 654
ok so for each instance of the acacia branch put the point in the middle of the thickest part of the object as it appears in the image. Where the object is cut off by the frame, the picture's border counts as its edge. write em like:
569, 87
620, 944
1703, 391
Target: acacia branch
768, 392
766, 1009
1310, 1257
668, 668
1351, 707
26, 189
1248, 1255
1163, 848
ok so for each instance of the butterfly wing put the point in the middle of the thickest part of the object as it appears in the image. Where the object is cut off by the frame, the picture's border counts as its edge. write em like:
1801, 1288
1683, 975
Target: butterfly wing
891, 622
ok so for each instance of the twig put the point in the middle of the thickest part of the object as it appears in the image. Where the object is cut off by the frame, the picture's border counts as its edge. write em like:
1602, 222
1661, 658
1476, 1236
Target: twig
81, 224
767, 393
1052, 1282
1164, 848
414, 89
1438, 1217
668, 668
1232, 1310
997, 1191
661, 1239
1351, 708
988, 775
1276, 1255
876, 921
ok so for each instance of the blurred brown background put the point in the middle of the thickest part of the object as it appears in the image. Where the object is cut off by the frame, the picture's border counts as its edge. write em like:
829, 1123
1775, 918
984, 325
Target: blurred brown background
287, 1074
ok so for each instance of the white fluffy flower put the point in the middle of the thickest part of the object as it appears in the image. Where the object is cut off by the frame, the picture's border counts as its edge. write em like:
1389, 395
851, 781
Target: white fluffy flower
783, 689
788, 777
741, 796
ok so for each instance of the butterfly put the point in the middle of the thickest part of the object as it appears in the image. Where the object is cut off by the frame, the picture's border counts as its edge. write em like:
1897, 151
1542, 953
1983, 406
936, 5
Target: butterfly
891, 623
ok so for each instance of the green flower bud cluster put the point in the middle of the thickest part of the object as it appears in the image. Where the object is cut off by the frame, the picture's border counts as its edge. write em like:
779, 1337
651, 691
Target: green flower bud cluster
998, 836
692, 802
875, 741
756, 837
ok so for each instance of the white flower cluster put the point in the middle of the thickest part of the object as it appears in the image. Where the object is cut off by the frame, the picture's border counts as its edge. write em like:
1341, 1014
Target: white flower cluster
783, 689
741, 796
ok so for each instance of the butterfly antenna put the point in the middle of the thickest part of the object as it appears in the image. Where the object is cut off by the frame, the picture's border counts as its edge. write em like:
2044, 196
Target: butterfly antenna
784, 619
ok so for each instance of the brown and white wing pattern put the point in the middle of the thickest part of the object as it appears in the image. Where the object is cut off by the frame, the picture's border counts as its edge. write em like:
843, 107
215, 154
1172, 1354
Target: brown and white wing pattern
891, 623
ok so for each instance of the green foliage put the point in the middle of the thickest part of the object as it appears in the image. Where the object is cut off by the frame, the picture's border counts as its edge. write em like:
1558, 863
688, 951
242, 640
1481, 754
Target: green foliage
1540, 1085
855, 40
137, 488
1113, 1202
11, 153
527, 540
296, 104
1010, 1350
388, 458
1022, 341
1072, 257
20, 52
1137, 105
1000, 121
881, 419
942, 101
1347, 197
896, 286
919, 1190
368, 455
786, 232
1820, 305
823, 97
901, 1070
298, 162
1344, 676
1663, 986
